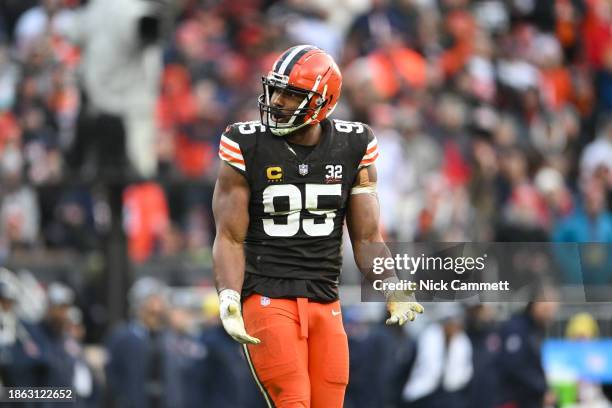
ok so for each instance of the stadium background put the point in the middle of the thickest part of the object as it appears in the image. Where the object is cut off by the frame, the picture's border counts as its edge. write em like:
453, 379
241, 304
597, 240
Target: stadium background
494, 120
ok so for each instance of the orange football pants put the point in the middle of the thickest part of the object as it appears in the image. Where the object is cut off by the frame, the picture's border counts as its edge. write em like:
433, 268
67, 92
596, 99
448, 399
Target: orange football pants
302, 360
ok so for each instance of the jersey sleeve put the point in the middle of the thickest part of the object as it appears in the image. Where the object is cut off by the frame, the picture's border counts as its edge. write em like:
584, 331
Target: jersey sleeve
371, 152
230, 150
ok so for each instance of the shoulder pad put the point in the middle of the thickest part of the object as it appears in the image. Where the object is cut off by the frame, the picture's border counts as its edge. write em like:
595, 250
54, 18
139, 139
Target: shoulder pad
365, 141
235, 140
247, 128
345, 126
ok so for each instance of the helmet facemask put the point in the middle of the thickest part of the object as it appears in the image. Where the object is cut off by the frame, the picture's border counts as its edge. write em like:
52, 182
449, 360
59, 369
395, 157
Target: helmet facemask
304, 114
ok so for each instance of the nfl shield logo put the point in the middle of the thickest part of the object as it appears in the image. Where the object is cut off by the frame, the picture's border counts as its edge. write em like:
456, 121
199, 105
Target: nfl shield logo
265, 301
303, 169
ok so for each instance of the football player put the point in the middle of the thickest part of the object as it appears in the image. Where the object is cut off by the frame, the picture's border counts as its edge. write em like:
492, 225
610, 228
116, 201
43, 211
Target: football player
284, 189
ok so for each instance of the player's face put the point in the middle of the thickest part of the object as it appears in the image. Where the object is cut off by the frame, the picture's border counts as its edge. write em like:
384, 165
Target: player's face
286, 102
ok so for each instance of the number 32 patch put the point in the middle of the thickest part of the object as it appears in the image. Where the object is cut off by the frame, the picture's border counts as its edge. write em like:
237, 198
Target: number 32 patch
333, 173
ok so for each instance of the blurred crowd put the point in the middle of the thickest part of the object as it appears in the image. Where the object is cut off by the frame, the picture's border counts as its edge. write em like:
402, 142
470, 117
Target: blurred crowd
494, 120
173, 352
493, 117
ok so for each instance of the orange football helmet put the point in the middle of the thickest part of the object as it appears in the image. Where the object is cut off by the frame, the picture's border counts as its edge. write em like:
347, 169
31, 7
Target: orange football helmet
304, 70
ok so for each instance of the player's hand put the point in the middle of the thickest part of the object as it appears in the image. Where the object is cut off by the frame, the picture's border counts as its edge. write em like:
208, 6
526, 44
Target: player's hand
231, 317
402, 307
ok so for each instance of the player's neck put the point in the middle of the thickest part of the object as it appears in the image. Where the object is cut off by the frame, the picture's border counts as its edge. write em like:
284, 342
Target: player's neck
307, 136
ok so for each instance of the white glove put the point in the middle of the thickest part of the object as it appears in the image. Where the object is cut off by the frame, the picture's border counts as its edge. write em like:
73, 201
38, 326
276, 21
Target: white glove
402, 306
231, 317
402, 311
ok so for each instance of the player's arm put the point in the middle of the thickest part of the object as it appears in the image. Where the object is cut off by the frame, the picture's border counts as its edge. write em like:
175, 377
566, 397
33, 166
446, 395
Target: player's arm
230, 208
362, 221
363, 226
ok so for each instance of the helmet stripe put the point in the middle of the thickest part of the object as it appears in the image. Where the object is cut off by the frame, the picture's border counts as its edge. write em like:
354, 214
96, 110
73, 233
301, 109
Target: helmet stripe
293, 57
279, 62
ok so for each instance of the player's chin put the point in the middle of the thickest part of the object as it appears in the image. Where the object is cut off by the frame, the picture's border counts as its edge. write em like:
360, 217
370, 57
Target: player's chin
280, 118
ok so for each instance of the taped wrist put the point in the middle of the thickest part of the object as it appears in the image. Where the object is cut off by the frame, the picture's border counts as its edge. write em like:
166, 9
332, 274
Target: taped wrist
228, 296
